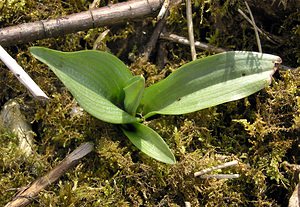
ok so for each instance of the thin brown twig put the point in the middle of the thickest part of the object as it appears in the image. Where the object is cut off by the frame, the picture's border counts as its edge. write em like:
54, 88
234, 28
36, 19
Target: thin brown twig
154, 37
190, 28
255, 28
26, 196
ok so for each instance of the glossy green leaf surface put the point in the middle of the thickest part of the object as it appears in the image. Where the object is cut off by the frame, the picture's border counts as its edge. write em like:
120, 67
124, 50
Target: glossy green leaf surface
133, 94
149, 142
96, 80
210, 81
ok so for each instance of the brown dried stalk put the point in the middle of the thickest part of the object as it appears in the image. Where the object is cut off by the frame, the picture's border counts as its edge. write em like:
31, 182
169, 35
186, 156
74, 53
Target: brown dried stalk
24, 197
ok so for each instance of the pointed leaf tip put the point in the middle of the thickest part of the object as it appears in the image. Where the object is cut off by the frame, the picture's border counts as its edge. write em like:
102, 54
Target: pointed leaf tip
96, 79
210, 81
149, 142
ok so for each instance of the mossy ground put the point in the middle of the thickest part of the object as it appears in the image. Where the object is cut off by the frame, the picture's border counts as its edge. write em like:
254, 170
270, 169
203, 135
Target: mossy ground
261, 131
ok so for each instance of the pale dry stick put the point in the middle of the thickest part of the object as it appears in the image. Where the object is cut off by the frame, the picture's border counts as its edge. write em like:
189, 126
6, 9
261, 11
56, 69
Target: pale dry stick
94, 18
190, 28
220, 176
185, 41
21, 75
255, 28
187, 204
24, 197
208, 170
163, 9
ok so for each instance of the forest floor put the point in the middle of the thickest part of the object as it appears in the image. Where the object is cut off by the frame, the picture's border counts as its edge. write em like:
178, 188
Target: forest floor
261, 131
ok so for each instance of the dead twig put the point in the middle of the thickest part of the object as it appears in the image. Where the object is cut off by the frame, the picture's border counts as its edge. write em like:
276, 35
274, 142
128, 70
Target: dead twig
185, 41
21, 75
154, 37
190, 28
163, 10
24, 197
220, 176
109, 15
162, 53
208, 170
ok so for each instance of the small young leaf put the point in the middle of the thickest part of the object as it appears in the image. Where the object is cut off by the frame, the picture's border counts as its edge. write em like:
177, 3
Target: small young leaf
133, 94
210, 81
149, 142
96, 80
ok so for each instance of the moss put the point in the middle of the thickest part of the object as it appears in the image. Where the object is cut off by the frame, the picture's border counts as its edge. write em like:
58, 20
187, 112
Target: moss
260, 131
9, 8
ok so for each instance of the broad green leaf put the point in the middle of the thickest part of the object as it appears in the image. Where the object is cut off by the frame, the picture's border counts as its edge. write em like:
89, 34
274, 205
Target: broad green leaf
133, 94
96, 80
210, 81
149, 142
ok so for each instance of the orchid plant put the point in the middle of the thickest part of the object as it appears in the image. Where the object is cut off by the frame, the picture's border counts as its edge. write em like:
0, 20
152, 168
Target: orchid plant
104, 87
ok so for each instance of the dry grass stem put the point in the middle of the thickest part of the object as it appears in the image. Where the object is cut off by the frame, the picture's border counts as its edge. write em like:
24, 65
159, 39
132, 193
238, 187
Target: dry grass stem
255, 28
208, 170
190, 28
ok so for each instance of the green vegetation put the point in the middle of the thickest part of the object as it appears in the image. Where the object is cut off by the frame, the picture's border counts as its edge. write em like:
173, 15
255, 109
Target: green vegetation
104, 87
260, 131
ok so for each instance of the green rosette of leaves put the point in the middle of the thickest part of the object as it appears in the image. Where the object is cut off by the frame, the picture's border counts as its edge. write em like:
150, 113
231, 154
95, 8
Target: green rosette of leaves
104, 86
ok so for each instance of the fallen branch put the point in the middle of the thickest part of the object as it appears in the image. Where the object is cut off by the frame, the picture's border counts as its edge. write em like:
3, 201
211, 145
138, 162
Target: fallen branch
24, 197
185, 41
21, 75
116, 13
